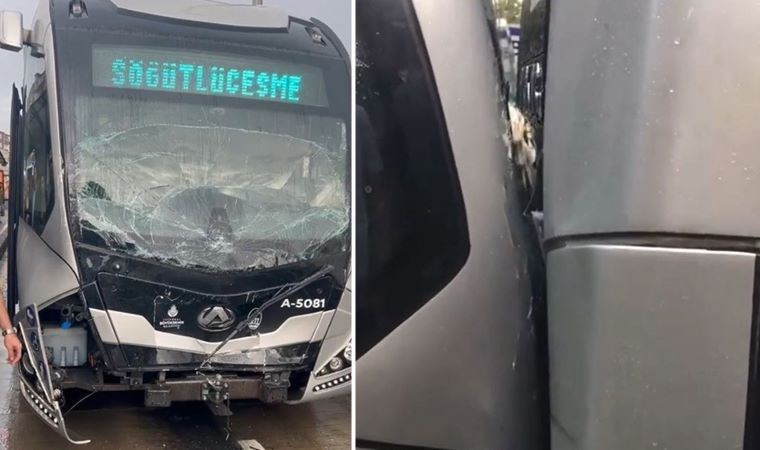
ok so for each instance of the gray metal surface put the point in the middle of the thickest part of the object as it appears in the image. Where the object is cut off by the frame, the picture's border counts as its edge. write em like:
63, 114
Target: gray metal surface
337, 335
43, 277
240, 15
11, 31
339, 332
649, 347
57, 233
651, 122
459, 373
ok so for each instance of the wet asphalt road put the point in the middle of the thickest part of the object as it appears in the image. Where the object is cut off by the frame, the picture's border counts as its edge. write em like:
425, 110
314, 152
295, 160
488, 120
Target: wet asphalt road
116, 422
120, 422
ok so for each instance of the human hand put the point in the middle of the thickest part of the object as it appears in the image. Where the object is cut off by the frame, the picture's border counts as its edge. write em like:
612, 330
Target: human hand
13, 345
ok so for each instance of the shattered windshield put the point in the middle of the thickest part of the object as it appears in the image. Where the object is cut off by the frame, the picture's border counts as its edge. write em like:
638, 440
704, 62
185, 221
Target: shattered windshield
204, 184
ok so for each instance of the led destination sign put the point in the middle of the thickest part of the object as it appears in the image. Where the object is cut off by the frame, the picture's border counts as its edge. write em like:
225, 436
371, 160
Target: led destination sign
206, 73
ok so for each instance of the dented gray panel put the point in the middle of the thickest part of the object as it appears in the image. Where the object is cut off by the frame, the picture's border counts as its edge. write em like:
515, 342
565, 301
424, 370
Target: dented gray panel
240, 15
42, 275
649, 347
461, 371
650, 119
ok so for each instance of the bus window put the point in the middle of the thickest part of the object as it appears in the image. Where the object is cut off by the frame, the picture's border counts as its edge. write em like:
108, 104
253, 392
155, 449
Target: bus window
37, 190
411, 227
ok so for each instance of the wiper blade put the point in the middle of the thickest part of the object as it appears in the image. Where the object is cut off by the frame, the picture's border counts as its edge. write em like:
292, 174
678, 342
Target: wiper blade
111, 239
255, 312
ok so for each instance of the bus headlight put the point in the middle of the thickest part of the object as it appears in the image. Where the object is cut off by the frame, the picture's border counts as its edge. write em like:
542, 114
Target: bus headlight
338, 362
347, 352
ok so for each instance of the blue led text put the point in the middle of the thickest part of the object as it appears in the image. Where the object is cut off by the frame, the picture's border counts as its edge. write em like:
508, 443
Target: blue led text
194, 78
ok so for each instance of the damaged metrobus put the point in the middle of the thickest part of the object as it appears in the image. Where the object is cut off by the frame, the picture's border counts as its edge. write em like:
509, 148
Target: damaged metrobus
180, 204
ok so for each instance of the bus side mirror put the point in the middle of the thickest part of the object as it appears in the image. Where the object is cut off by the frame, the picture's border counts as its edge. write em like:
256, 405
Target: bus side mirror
11, 31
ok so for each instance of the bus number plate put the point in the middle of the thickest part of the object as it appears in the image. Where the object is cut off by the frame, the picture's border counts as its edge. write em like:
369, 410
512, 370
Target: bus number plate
306, 303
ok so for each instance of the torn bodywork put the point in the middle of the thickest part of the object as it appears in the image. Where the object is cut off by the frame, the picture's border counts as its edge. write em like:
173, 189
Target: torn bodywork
36, 377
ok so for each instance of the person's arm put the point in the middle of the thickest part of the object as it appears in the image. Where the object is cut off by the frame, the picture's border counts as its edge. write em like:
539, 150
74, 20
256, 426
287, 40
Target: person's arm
10, 339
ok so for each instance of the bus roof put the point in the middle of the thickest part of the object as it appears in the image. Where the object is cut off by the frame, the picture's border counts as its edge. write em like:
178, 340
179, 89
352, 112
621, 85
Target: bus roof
248, 24
237, 15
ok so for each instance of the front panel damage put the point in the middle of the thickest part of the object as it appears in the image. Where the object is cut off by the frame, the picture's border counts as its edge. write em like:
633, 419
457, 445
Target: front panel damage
36, 377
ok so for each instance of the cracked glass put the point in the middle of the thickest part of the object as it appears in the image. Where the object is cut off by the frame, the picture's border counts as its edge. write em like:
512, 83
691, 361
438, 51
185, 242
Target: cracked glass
212, 186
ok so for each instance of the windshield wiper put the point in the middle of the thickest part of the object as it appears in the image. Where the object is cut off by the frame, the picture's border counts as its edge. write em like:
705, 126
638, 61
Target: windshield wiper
257, 311
109, 238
